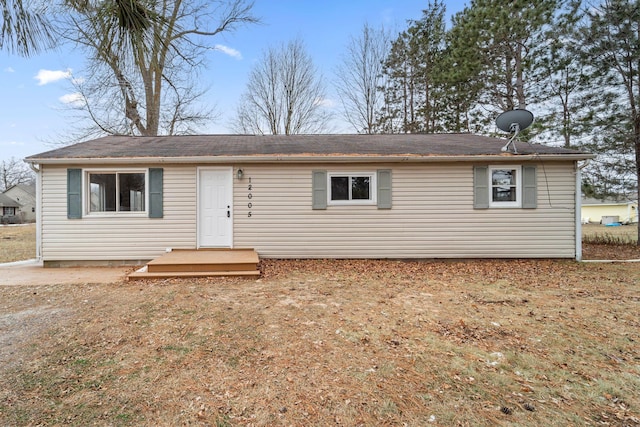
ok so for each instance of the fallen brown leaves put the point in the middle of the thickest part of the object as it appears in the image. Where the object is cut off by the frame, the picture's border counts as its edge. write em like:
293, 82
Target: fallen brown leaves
335, 342
610, 252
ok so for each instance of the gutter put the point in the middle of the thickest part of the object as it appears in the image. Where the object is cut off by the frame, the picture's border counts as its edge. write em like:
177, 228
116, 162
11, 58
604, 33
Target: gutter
578, 213
38, 173
307, 159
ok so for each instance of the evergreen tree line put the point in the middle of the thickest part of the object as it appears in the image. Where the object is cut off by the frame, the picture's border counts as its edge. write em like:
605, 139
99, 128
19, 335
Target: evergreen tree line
574, 64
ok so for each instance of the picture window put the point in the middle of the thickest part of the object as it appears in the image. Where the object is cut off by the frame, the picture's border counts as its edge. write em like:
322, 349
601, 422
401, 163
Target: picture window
116, 192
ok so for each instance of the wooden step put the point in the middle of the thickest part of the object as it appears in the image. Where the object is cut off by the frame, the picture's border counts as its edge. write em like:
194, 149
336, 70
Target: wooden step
201, 263
144, 274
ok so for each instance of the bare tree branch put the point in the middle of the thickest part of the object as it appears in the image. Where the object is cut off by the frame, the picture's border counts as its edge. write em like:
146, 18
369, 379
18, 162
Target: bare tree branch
359, 78
284, 95
131, 70
14, 172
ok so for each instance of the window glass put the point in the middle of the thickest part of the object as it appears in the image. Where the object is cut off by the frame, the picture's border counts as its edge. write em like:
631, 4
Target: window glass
360, 187
339, 188
116, 192
504, 185
131, 191
102, 192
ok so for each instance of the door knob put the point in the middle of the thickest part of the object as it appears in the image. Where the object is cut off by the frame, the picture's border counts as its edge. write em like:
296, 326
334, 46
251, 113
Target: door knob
228, 212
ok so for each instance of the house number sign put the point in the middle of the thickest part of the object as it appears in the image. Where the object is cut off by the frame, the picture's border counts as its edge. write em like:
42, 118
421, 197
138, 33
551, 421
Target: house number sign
250, 197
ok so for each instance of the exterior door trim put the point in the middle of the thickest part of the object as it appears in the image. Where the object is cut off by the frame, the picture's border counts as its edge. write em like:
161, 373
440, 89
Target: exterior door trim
229, 182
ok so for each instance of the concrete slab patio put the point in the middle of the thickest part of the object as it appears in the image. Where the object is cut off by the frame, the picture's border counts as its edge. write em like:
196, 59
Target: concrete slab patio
33, 273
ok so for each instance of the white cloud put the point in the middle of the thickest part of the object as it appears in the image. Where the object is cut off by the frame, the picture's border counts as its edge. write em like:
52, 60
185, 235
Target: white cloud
49, 76
12, 143
228, 51
75, 99
9, 70
325, 102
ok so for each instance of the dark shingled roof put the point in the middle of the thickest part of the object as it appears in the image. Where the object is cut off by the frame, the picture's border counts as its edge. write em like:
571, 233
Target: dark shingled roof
447, 145
8, 202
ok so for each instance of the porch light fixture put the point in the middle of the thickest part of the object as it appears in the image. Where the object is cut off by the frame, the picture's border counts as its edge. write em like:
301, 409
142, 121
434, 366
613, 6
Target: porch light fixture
240, 174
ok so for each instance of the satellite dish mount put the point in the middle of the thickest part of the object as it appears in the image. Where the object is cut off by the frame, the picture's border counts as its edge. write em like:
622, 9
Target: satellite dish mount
513, 122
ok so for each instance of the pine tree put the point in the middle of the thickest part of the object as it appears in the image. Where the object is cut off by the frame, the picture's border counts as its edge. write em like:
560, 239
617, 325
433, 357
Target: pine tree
413, 91
502, 38
560, 87
460, 67
611, 48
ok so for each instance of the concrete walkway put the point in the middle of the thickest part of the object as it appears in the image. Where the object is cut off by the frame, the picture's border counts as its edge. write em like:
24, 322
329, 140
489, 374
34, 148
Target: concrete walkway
33, 273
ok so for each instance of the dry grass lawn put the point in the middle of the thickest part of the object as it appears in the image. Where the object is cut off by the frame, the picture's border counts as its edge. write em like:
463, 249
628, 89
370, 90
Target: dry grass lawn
620, 234
316, 343
17, 243
602, 242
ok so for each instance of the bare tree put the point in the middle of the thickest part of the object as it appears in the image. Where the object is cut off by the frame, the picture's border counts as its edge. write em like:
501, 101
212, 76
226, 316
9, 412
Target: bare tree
14, 172
359, 78
284, 95
145, 82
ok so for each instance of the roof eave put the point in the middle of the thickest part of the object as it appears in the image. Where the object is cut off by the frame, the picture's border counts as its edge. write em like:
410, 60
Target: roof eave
309, 159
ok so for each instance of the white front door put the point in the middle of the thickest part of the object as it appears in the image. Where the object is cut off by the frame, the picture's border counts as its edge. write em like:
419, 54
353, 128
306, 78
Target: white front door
215, 223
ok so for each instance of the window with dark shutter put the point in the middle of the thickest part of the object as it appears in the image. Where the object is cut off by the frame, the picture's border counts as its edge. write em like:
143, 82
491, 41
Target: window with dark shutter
156, 177
74, 193
319, 189
384, 189
481, 187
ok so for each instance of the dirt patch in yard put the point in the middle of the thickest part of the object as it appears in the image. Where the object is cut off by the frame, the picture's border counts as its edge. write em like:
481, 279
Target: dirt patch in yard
335, 342
18, 329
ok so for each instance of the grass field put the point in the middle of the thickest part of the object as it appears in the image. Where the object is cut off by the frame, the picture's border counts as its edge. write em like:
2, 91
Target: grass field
316, 343
596, 233
17, 243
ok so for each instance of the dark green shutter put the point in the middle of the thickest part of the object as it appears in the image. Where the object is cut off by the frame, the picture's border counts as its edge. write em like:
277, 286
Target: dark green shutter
529, 187
155, 192
319, 184
384, 189
481, 187
74, 193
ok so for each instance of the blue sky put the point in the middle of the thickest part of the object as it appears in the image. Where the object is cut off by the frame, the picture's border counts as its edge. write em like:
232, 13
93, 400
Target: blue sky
34, 90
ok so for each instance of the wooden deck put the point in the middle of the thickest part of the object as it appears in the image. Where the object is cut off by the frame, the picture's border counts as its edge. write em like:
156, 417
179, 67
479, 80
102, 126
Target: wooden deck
201, 263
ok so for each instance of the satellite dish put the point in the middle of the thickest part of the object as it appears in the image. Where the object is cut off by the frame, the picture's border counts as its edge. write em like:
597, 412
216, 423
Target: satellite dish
514, 121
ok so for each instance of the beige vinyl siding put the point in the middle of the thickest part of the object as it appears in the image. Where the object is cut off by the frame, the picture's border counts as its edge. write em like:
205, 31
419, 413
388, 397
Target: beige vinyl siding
117, 236
432, 216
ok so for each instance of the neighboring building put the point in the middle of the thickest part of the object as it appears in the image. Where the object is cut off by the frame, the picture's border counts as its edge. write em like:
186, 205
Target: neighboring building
25, 195
128, 199
8, 210
626, 211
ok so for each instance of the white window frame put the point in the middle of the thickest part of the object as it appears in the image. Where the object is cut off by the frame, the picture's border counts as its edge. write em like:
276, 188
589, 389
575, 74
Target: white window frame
518, 202
87, 191
373, 189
